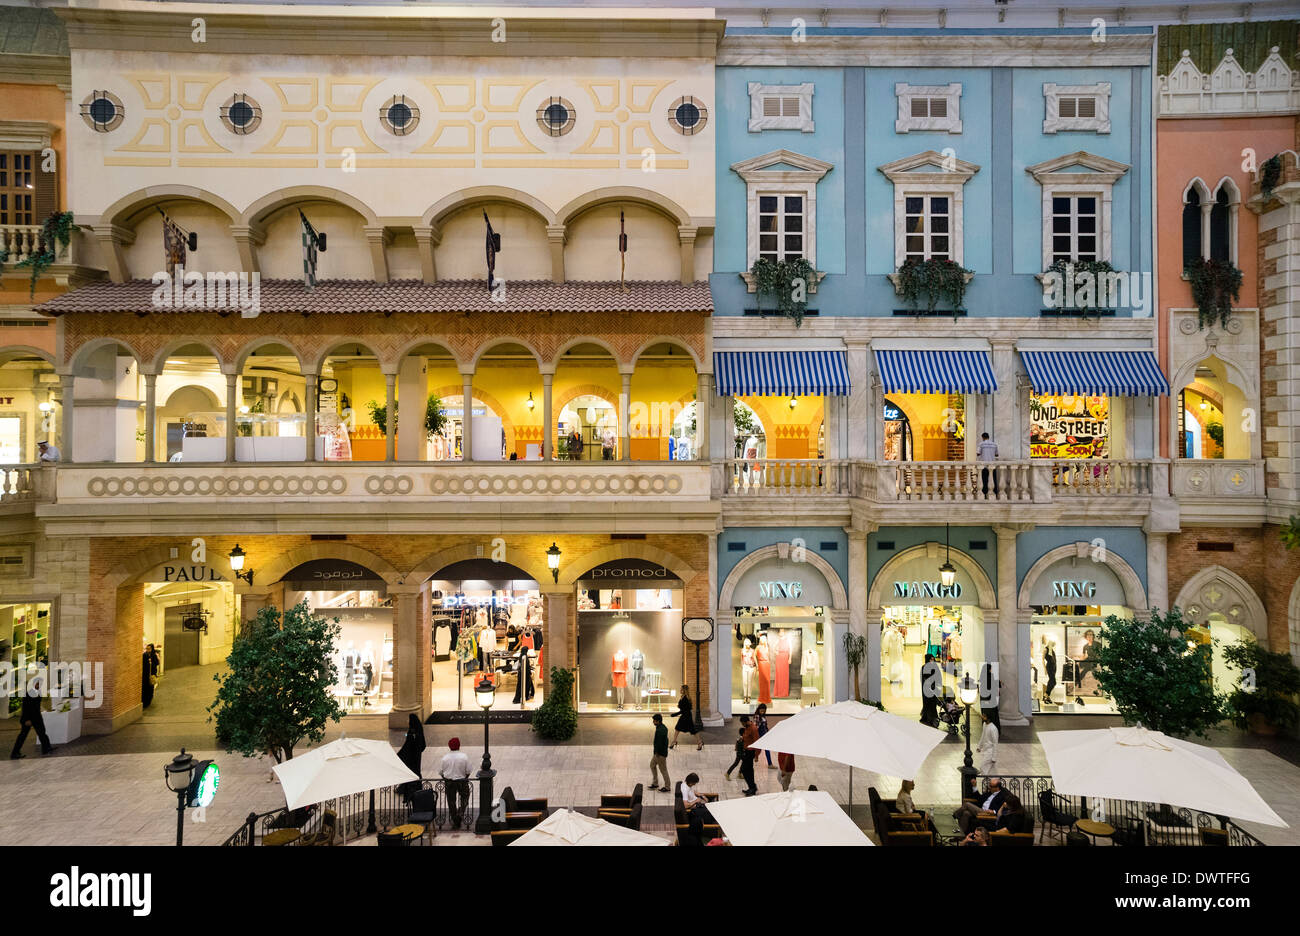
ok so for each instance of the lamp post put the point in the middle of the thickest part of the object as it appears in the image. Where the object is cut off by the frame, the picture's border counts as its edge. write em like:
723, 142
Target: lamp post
178, 774
968, 692
485, 693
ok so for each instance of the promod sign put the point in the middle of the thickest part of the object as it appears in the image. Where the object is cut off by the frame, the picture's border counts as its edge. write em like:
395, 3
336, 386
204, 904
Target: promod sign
927, 590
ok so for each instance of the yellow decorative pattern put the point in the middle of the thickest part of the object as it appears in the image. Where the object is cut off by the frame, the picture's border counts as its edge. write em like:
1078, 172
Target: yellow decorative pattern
192, 90
636, 144
649, 91
521, 87
296, 95
276, 148
337, 98
354, 138
138, 144
448, 104
155, 89
521, 144
189, 130
606, 131
607, 103
436, 144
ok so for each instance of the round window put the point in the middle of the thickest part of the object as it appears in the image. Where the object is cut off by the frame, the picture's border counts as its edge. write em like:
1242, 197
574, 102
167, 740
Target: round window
102, 111
555, 116
688, 115
399, 115
240, 114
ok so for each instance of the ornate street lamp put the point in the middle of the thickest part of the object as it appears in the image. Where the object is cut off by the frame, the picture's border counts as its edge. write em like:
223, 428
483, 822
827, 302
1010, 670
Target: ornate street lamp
237, 565
178, 774
485, 692
947, 571
968, 693
553, 561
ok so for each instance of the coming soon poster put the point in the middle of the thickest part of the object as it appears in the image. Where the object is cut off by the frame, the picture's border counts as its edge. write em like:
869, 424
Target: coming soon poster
1069, 426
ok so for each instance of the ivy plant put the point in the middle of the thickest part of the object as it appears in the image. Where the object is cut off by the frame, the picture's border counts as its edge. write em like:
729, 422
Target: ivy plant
56, 235
788, 281
938, 278
1216, 284
1269, 173
1290, 532
1095, 267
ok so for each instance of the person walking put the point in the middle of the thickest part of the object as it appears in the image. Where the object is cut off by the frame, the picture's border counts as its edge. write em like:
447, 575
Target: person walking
454, 770
931, 690
686, 720
785, 762
30, 717
148, 675
740, 746
760, 720
987, 751
747, 758
659, 760
987, 451
411, 751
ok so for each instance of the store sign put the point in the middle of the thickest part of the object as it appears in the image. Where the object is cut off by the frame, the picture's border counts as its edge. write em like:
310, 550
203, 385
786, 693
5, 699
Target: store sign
1077, 581
1070, 589
697, 630
188, 573
629, 573
333, 575
780, 589
1069, 426
892, 413
926, 590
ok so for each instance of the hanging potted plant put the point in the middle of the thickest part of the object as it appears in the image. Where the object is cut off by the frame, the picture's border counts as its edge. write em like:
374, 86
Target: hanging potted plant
1215, 284
1269, 173
936, 278
56, 235
789, 281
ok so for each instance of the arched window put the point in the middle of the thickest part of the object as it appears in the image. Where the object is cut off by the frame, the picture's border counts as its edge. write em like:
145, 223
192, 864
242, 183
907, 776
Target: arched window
1220, 227
1191, 226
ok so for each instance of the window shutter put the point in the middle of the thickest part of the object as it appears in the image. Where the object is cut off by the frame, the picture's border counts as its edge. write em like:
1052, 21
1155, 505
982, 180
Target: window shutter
771, 107
1065, 107
938, 107
790, 107
919, 107
47, 192
1086, 107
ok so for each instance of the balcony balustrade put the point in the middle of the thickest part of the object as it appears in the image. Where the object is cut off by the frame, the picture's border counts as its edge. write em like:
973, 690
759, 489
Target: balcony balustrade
19, 241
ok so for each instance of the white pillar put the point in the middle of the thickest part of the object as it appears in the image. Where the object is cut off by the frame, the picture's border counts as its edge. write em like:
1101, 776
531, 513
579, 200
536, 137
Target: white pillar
467, 417
857, 622
232, 430
1003, 645
411, 384
150, 418
390, 418
310, 380
1005, 430
703, 411
548, 417
863, 422
1158, 571
68, 399
624, 430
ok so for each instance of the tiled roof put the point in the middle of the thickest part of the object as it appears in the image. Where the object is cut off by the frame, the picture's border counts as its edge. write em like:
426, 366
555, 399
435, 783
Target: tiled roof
25, 31
284, 295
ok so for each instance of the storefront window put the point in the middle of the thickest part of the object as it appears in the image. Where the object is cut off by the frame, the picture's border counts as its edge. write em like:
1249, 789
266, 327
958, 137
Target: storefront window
588, 430
952, 634
1221, 634
487, 620
778, 658
924, 427
1069, 426
25, 639
629, 637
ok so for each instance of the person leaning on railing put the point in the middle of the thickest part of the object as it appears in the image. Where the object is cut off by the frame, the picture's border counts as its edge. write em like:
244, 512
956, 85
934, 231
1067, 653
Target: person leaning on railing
48, 453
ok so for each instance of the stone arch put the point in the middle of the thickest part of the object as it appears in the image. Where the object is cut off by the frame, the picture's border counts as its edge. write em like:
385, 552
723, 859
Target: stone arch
269, 204
79, 356
676, 342
414, 343
128, 208
1227, 184
171, 347
1134, 594
217, 404
558, 358
1236, 375
384, 365
987, 593
241, 358
625, 193
9, 352
568, 396
482, 195
507, 339
1200, 188
726, 595
1234, 593
488, 400
576, 568
435, 562
285, 563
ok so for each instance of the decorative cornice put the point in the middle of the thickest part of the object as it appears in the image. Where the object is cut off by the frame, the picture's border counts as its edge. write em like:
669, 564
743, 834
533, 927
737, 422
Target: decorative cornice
807, 168
952, 170
1103, 170
36, 69
939, 50
1229, 90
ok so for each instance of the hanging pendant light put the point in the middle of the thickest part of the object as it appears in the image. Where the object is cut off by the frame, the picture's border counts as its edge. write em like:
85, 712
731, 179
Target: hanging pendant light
947, 571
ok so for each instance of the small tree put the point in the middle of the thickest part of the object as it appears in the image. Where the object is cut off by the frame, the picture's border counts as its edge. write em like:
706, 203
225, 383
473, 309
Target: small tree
1155, 677
556, 719
1267, 689
278, 690
855, 653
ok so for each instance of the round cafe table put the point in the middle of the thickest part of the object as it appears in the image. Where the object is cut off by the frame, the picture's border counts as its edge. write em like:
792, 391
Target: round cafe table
282, 837
411, 830
1093, 828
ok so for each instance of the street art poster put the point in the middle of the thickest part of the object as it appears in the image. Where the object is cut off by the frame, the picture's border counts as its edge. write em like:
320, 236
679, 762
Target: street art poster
1069, 426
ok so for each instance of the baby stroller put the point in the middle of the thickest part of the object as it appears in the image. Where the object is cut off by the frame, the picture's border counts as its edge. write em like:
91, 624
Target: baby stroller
950, 716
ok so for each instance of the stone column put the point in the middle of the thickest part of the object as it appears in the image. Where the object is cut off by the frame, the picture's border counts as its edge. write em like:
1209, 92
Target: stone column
837, 681
686, 238
150, 418
232, 430
624, 430
719, 681
863, 422
412, 384
467, 417
556, 620
408, 694
703, 399
548, 418
1006, 430
390, 418
1158, 571
68, 399
857, 622
729, 427
1002, 644
555, 236
310, 430
875, 617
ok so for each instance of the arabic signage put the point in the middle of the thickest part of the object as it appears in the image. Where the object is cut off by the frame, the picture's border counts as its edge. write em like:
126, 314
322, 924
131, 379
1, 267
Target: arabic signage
333, 575
1069, 426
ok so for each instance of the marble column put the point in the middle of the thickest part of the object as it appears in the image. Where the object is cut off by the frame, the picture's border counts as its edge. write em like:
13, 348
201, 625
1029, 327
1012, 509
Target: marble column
467, 417
150, 418
67, 397
1158, 571
871, 679
1002, 643
390, 416
310, 380
407, 690
548, 417
232, 429
862, 423
624, 429
857, 586
1006, 431
703, 400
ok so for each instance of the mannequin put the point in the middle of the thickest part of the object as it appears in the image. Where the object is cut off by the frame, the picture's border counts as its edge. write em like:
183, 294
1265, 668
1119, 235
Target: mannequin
747, 663
892, 651
811, 666
585, 603
1049, 667
351, 660
751, 453
524, 688
636, 675
487, 641
368, 664
781, 659
763, 659
618, 674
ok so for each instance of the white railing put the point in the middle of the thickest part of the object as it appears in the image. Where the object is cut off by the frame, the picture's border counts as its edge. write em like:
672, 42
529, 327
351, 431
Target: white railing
1217, 477
20, 241
23, 483
774, 477
958, 481
1100, 477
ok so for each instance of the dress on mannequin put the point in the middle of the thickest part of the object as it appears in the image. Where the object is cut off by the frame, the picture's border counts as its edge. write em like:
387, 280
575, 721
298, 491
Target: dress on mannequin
747, 668
811, 667
618, 675
893, 649
763, 657
524, 689
636, 675
781, 661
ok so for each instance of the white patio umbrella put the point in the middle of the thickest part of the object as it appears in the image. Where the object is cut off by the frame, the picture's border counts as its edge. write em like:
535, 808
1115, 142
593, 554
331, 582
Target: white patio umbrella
857, 735
799, 817
1150, 767
340, 768
566, 827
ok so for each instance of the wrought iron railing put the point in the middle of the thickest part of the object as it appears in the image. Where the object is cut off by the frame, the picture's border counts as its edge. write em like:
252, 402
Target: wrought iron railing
392, 807
1137, 823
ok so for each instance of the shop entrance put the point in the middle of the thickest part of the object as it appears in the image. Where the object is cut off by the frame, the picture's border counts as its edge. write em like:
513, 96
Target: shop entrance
487, 620
363, 656
629, 637
952, 634
26, 637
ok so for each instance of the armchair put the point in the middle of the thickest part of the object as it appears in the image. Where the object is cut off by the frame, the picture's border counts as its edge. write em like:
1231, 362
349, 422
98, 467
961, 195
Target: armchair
522, 813
1053, 816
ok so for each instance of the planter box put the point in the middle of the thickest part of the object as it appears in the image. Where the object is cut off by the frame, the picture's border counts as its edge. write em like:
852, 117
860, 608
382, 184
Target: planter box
63, 727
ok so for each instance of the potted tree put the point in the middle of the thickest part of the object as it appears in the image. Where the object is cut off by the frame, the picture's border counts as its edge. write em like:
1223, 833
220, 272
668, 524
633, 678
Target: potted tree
1264, 700
855, 654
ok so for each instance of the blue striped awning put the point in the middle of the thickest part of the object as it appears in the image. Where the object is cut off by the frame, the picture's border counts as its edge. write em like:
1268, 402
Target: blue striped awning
797, 373
936, 371
1096, 373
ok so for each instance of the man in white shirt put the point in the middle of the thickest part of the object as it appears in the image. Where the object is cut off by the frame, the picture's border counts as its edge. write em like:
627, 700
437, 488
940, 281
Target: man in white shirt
987, 451
48, 452
988, 746
454, 770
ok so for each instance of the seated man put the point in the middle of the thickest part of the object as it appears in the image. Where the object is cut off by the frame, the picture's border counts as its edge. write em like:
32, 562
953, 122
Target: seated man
694, 802
978, 837
968, 812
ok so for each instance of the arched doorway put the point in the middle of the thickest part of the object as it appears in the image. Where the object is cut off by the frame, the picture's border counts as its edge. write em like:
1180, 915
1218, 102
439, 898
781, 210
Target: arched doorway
587, 428
190, 418
28, 406
1223, 609
782, 631
487, 619
1209, 416
589, 391
918, 615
